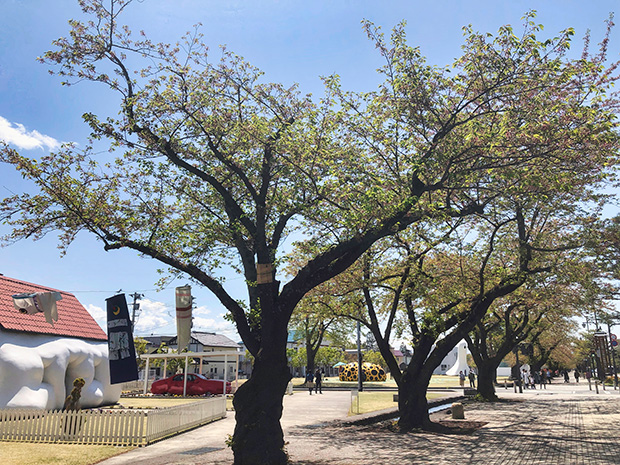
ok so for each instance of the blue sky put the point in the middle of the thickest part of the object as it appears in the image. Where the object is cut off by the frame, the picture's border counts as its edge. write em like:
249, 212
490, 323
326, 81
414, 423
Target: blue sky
291, 41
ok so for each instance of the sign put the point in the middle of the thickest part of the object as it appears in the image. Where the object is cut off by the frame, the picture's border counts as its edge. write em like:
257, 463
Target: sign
613, 337
601, 348
614, 343
121, 350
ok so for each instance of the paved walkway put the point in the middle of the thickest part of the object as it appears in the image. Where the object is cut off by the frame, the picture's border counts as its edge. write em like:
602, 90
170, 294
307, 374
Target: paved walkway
564, 425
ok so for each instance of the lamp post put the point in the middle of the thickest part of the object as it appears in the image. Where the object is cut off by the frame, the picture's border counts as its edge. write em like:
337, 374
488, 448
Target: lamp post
518, 377
360, 386
613, 356
609, 321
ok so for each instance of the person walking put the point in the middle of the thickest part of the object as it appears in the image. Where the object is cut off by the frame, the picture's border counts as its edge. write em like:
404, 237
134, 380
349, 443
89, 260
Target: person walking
577, 375
472, 379
462, 378
318, 382
310, 381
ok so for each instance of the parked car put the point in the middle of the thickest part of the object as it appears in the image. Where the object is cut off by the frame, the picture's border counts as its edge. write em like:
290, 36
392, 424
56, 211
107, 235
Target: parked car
197, 385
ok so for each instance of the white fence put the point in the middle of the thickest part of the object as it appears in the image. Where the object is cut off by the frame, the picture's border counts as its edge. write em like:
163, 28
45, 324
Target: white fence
107, 427
164, 422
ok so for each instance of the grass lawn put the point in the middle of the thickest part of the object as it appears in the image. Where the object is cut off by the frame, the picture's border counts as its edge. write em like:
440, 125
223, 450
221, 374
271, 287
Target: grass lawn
437, 381
154, 402
26, 453
375, 401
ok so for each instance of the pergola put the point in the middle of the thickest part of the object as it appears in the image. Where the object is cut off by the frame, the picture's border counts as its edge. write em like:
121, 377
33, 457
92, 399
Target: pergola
187, 356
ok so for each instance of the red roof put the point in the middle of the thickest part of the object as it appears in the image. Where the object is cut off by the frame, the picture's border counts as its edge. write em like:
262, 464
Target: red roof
73, 319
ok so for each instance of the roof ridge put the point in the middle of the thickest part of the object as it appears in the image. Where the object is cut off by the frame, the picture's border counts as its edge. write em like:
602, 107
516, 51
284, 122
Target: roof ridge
19, 281
74, 319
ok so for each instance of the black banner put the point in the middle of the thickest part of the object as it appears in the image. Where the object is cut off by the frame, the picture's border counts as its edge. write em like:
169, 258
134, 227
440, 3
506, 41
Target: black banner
601, 349
122, 354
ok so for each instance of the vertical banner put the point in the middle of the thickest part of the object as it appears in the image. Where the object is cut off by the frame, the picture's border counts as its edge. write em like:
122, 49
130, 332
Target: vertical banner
601, 348
122, 354
184, 316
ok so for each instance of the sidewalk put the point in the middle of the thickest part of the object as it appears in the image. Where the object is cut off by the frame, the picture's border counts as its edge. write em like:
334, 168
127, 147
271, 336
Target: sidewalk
565, 424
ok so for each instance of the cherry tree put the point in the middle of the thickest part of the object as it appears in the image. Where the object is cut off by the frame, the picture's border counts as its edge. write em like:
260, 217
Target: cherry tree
212, 167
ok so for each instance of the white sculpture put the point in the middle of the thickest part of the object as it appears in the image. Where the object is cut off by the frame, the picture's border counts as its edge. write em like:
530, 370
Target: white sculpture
37, 371
461, 360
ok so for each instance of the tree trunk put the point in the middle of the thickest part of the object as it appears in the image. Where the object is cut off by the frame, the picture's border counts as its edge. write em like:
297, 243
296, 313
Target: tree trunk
486, 379
258, 438
412, 404
310, 360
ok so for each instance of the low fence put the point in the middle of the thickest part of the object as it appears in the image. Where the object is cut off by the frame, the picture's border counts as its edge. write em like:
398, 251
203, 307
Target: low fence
136, 386
107, 426
164, 422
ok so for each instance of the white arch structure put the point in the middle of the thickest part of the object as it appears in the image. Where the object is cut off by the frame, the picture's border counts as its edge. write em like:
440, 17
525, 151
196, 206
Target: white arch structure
461, 360
187, 356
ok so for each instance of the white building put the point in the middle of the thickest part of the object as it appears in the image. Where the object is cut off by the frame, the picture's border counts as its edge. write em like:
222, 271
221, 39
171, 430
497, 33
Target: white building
212, 367
39, 361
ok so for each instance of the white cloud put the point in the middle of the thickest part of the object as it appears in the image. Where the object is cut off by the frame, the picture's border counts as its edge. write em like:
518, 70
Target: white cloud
158, 318
16, 134
215, 326
202, 310
153, 315
99, 315
205, 324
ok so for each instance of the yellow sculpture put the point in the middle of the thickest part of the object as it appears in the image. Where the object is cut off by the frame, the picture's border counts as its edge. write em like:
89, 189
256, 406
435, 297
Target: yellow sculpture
370, 372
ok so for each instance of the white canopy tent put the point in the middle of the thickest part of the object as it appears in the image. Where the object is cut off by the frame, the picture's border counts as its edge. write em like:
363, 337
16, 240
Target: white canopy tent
187, 356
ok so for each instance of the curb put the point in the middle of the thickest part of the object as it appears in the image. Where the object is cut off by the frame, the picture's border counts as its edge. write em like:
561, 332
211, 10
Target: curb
387, 414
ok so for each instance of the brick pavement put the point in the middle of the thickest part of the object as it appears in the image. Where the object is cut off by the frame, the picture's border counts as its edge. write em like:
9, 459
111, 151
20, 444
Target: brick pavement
562, 425
528, 430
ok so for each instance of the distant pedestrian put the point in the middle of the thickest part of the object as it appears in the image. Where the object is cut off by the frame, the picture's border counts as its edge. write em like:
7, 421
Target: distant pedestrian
318, 382
566, 378
462, 378
577, 374
472, 379
310, 381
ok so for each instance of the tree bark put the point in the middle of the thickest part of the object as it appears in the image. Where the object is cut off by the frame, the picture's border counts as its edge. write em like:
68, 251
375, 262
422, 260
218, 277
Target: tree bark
412, 403
258, 438
486, 379
310, 361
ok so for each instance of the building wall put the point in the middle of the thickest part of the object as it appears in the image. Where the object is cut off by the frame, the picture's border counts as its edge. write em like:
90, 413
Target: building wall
214, 368
37, 371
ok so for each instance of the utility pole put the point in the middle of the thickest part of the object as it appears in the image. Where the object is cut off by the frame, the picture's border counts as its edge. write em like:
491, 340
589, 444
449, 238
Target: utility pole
136, 307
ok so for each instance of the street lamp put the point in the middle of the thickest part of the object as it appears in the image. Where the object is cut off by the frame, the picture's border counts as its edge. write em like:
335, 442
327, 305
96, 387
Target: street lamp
360, 386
